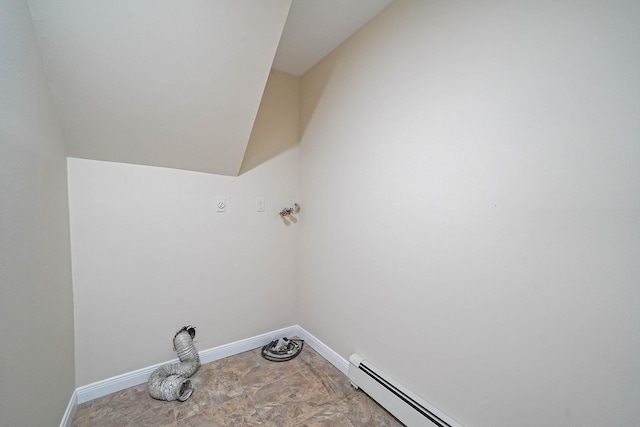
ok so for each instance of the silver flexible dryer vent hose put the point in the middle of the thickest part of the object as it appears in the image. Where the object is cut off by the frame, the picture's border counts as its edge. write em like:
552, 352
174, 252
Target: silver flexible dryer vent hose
170, 381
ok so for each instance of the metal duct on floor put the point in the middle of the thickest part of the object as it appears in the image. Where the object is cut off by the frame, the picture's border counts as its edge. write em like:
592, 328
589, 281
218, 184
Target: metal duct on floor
170, 381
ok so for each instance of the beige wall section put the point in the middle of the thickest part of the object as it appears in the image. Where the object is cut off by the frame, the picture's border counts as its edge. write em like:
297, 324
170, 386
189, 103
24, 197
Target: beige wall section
471, 182
151, 254
36, 302
276, 127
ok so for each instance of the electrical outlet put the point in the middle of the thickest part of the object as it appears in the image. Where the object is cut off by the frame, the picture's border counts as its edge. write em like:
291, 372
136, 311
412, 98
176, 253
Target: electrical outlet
260, 204
221, 204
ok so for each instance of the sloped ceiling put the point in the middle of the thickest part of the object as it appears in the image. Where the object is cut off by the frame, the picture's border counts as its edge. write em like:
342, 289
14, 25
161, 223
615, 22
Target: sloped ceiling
315, 27
175, 83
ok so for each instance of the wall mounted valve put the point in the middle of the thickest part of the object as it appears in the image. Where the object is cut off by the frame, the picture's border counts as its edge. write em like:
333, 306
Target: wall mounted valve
288, 214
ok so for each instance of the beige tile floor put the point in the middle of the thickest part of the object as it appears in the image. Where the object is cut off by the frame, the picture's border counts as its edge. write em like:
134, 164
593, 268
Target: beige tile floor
246, 390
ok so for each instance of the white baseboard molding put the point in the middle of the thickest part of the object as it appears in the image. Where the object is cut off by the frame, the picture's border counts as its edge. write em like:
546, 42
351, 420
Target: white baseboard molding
325, 351
130, 379
67, 418
120, 382
246, 344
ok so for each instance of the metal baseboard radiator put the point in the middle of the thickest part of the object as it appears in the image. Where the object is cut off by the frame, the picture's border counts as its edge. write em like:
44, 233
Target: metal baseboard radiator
400, 402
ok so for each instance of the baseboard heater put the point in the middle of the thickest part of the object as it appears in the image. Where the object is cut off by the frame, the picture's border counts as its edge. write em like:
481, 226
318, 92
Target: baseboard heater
400, 402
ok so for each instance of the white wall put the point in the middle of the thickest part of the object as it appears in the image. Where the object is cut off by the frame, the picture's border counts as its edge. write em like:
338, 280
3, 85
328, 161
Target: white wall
470, 173
151, 254
36, 303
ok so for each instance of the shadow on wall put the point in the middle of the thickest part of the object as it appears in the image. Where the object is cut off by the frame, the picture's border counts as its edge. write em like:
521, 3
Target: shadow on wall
285, 112
313, 84
275, 128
